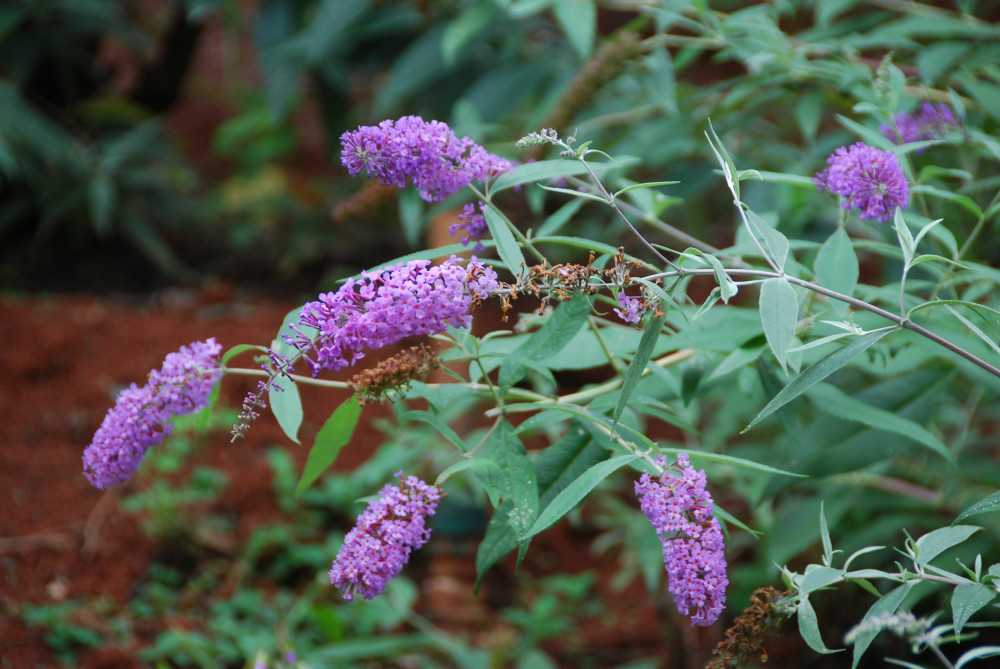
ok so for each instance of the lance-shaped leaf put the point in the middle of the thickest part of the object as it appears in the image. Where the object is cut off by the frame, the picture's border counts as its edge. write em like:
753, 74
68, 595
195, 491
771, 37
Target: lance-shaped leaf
286, 405
514, 478
816, 373
548, 340
507, 246
779, 314
333, 436
638, 363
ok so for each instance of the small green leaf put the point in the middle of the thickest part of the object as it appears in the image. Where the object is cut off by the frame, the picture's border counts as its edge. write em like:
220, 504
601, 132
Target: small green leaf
991, 503
774, 242
561, 216
286, 405
887, 604
507, 246
551, 169
236, 350
102, 197
809, 628
438, 424
976, 654
571, 495
779, 314
824, 534
638, 363
333, 436
906, 242
836, 266
967, 599
816, 373
462, 465
932, 544
817, 577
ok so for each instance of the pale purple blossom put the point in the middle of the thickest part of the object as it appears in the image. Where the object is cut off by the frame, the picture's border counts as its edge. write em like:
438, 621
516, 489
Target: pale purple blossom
680, 510
141, 416
428, 153
930, 121
632, 308
473, 224
869, 180
380, 544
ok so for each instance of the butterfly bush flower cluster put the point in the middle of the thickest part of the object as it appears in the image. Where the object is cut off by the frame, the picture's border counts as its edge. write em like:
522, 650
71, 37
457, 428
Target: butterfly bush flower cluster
473, 224
140, 418
428, 153
380, 544
631, 308
929, 122
680, 509
377, 310
869, 180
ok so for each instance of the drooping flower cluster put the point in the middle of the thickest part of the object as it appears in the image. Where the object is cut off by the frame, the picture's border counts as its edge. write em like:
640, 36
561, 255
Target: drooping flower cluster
388, 305
869, 180
428, 153
680, 509
473, 224
141, 415
389, 530
929, 122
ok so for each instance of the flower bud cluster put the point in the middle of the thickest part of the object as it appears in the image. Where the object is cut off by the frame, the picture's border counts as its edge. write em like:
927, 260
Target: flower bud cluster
868, 179
141, 416
428, 153
390, 529
680, 510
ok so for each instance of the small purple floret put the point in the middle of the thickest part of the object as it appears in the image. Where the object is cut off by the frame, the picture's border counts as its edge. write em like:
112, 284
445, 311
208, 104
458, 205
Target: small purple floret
868, 179
140, 417
427, 153
930, 121
389, 530
680, 509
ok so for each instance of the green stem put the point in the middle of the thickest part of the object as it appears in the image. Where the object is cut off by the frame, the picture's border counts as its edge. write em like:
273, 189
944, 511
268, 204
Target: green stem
307, 380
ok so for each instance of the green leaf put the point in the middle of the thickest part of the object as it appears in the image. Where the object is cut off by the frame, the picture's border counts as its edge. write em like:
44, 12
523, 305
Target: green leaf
515, 478
463, 28
824, 533
238, 349
836, 266
286, 405
507, 246
561, 216
578, 19
498, 540
725, 161
462, 465
958, 198
832, 401
438, 424
333, 436
991, 503
816, 373
809, 628
870, 137
932, 544
571, 495
552, 169
102, 196
548, 340
774, 242
967, 599
887, 604
976, 654
906, 242
817, 577
638, 363
779, 314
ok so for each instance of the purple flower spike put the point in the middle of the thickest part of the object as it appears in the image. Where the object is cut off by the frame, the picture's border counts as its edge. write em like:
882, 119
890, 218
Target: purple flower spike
929, 122
388, 305
390, 529
140, 417
473, 224
427, 153
868, 179
680, 509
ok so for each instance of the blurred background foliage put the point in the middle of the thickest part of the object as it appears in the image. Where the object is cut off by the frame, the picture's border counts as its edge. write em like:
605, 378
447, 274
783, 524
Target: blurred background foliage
165, 141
